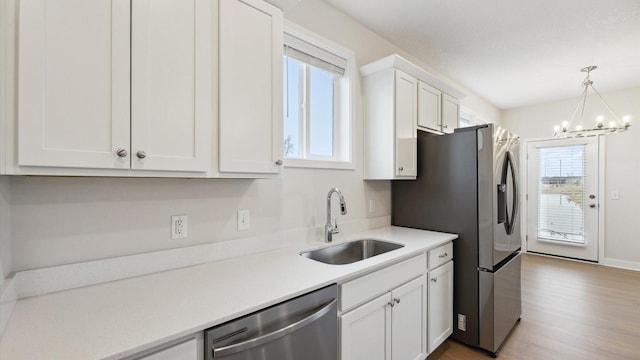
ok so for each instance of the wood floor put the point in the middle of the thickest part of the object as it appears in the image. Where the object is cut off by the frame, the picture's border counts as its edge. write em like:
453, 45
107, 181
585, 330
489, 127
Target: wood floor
570, 310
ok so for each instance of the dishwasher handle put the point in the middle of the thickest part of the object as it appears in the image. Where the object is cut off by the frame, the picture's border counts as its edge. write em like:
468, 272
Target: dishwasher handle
263, 339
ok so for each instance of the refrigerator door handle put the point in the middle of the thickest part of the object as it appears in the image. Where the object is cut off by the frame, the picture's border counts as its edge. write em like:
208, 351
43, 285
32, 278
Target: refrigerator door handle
502, 203
509, 165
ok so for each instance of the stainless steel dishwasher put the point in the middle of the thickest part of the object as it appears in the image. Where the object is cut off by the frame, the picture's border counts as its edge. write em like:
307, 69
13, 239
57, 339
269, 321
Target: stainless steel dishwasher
305, 327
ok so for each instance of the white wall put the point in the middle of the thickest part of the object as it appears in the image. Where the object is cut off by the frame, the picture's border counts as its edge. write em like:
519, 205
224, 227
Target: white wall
5, 228
622, 166
325, 20
58, 220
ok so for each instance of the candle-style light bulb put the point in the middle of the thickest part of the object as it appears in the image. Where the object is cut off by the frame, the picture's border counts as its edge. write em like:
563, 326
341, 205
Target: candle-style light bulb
565, 124
556, 128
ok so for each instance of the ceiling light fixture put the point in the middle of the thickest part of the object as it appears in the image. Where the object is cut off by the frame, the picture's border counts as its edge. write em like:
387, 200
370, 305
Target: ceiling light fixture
614, 126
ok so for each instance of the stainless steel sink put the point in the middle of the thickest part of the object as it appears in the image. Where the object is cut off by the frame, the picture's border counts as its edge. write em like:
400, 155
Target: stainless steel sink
351, 252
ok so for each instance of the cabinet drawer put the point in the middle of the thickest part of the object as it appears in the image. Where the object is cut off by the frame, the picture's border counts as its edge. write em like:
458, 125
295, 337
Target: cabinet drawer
440, 255
358, 291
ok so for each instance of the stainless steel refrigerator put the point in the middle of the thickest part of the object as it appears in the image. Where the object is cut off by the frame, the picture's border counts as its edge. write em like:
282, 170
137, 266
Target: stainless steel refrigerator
467, 184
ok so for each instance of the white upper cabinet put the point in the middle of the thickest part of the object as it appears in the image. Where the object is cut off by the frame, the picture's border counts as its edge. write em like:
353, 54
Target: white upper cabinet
251, 48
115, 84
391, 101
450, 113
73, 97
171, 69
429, 105
406, 112
437, 111
399, 99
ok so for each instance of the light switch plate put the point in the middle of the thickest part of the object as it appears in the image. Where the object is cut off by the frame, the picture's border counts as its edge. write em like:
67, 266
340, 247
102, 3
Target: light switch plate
243, 220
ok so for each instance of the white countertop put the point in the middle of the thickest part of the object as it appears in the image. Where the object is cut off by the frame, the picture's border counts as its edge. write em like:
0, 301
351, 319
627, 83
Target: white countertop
120, 318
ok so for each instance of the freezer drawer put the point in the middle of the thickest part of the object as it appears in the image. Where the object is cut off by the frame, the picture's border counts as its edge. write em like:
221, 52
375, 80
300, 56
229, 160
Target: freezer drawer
500, 303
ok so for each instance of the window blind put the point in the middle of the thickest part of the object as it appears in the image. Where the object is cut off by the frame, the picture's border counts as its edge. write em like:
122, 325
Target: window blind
310, 54
560, 190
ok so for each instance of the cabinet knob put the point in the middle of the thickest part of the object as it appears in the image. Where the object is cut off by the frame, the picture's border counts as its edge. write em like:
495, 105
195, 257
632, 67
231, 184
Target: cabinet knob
279, 162
592, 205
445, 126
401, 168
141, 154
390, 303
442, 255
122, 153
397, 300
434, 280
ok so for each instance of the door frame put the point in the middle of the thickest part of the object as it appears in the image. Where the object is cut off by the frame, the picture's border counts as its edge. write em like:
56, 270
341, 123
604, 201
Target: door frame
524, 213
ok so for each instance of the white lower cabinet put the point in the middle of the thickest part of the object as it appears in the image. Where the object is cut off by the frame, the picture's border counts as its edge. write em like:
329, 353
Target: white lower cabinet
440, 304
401, 312
409, 321
391, 326
366, 331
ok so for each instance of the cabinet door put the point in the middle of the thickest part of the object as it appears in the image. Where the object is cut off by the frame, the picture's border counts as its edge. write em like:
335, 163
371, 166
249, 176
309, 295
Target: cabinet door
409, 321
251, 41
171, 61
366, 331
73, 83
450, 113
429, 102
440, 305
406, 109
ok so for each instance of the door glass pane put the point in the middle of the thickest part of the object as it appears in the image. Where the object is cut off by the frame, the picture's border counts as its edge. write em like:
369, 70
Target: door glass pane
561, 172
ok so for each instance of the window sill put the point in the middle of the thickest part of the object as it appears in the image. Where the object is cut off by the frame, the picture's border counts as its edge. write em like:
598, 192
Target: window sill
319, 164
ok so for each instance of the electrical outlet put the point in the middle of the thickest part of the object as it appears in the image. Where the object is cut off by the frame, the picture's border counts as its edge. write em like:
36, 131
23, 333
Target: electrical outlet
243, 220
462, 322
178, 227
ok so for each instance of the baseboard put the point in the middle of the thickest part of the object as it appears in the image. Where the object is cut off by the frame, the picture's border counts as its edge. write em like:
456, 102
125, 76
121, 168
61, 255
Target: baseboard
8, 298
622, 264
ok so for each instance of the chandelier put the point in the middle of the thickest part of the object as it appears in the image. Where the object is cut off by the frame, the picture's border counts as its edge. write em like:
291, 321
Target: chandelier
613, 126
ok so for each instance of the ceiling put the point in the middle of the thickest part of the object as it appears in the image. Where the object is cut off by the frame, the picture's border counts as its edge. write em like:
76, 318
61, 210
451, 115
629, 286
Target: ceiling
514, 52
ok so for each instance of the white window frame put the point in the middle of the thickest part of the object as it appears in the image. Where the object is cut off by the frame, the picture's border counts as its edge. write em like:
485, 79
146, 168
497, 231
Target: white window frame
469, 115
343, 128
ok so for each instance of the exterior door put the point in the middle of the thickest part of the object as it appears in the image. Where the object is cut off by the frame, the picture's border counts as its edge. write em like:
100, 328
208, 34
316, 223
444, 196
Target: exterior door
563, 199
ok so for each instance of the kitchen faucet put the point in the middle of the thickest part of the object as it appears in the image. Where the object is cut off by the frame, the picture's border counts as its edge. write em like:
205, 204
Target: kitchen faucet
330, 230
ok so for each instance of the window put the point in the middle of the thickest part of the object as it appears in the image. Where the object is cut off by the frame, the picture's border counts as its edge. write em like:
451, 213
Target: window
317, 95
467, 119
